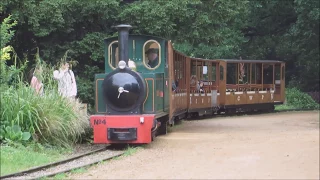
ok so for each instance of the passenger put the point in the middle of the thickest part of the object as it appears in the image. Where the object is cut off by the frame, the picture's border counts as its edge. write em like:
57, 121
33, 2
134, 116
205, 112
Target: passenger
132, 65
175, 85
36, 80
66, 81
152, 55
200, 86
193, 81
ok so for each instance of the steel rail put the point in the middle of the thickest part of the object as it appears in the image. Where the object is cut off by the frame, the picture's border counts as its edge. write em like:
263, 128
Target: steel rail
38, 168
80, 166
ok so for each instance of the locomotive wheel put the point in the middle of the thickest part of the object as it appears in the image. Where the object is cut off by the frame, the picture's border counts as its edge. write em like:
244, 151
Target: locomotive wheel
153, 136
194, 115
177, 120
272, 108
163, 129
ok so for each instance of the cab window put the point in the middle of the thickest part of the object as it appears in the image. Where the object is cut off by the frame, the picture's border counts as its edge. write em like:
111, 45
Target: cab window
113, 54
151, 54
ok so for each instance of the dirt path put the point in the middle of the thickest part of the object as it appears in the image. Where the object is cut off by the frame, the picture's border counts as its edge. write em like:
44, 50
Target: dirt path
270, 146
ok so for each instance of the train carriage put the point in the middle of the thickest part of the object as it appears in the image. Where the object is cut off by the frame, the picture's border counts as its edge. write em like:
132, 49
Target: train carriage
148, 84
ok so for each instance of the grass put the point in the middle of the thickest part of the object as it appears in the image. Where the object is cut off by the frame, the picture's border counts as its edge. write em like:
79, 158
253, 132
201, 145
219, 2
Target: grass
15, 159
128, 152
283, 107
131, 150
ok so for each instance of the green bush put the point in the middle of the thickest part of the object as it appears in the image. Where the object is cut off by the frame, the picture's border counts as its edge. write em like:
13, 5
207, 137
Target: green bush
50, 118
86, 85
297, 99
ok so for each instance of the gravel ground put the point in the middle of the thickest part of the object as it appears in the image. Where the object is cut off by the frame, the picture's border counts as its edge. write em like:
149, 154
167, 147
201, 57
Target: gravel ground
84, 148
86, 160
269, 146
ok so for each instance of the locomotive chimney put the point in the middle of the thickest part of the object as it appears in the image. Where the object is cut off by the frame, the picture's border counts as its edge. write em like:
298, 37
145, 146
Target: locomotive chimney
123, 38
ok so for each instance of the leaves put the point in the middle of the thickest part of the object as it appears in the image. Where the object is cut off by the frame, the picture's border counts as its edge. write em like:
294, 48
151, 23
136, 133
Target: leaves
6, 31
261, 29
14, 133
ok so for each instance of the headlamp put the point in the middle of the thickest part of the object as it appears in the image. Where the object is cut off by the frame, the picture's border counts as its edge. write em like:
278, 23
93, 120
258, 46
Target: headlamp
122, 64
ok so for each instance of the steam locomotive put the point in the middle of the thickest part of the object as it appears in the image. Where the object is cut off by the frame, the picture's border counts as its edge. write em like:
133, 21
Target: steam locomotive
148, 85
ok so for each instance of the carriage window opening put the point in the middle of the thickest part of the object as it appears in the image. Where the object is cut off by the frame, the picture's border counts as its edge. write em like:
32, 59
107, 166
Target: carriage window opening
175, 66
181, 67
247, 73
113, 54
283, 73
259, 73
267, 73
151, 54
193, 78
243, 73
277, 72
232, 73
193, 70
253, 73
213, 75
199, 72
221, 72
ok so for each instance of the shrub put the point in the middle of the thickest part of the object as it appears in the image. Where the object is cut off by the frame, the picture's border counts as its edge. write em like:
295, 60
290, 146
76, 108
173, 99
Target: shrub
49, 117
85, 83
315, 96
297, 99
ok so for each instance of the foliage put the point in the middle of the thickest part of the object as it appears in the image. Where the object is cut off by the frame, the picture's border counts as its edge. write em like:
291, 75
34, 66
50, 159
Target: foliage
315, 96
287, 31
7, 74
298, 99
86, 86
6, 31
208, 29
261, 29
50, 117
13, 133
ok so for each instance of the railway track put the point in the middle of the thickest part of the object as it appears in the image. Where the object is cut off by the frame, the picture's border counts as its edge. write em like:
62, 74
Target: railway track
67, 165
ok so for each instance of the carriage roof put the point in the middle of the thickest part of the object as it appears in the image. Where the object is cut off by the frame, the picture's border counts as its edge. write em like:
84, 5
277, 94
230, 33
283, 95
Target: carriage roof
249, 61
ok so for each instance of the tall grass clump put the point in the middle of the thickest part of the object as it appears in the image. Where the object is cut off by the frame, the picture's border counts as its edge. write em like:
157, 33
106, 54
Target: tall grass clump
48, 117
297, 99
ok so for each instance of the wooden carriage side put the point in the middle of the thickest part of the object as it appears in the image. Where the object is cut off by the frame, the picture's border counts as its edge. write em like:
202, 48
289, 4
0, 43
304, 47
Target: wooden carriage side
178, 82
204, 85
253, 82
227, 84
